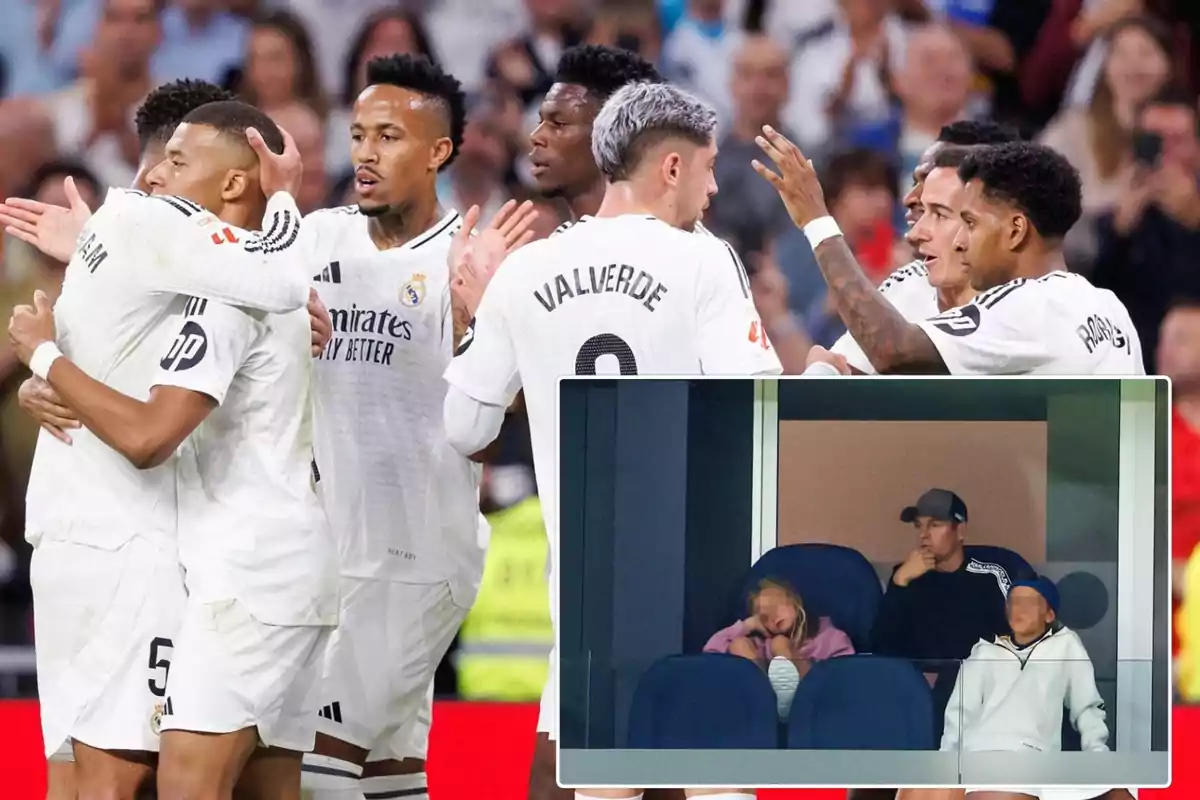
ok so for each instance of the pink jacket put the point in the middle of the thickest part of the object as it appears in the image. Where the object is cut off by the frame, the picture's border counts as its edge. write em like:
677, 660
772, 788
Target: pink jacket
829, 642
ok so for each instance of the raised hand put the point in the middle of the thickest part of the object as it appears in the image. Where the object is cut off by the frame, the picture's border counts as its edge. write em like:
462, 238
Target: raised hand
796, 181
52, 229
278, 172
475, 259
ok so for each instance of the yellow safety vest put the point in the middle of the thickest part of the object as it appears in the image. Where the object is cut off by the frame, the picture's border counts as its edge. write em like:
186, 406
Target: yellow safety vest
506, 639
1187, 622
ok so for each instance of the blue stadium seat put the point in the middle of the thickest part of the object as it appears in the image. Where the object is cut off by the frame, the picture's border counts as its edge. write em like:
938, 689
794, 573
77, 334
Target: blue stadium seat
834, 581
706, 701
1014, 564
862, 702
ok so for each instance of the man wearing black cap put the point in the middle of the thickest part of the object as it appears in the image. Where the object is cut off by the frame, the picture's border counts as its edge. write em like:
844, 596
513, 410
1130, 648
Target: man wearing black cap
939, 602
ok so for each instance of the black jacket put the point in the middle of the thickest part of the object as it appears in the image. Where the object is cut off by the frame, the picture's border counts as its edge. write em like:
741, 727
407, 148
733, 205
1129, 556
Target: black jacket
941, 615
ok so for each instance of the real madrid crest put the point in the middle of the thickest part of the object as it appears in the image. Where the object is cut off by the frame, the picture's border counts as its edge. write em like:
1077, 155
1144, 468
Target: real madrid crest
413, 292
156, 718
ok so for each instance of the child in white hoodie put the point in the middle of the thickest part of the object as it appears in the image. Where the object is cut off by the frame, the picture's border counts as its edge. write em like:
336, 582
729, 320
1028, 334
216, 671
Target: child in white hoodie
1010, 692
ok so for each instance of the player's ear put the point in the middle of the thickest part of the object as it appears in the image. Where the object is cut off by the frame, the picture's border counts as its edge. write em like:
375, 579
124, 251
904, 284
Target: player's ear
672, 167
440, 153
237, 184
1019, 231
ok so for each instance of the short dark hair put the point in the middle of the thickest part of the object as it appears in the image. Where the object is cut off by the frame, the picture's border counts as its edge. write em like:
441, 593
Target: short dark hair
64, 168
858, 167
420, 74
952, 155
602, 70
970, 132
1032, 177
233, 117
166, 106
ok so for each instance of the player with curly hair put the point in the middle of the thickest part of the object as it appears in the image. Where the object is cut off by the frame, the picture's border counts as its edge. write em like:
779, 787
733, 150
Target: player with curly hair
1031, 317
561, 154
161, 112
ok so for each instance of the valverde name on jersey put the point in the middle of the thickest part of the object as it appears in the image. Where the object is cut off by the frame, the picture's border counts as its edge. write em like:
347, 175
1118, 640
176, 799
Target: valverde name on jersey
1093, 330
607, 279
637, 284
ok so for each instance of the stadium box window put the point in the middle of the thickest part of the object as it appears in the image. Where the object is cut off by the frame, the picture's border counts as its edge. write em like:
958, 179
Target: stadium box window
671, 489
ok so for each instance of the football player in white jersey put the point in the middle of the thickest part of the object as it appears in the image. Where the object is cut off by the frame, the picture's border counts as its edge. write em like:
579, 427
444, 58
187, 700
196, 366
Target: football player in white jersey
629, 290
937, 280
261, 573
1030, 316
403, 503
107, 585
561, 144
156, 118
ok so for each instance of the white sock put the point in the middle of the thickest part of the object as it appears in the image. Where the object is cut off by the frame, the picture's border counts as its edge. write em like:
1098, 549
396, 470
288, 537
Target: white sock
414, 786
582, 796
325, 778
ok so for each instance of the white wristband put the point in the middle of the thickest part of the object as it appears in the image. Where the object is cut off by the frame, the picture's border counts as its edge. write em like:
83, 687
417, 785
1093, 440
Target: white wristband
820, 229
821, 368
44, 355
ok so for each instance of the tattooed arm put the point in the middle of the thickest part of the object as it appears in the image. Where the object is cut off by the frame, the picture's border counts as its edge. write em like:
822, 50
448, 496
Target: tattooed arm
891, 343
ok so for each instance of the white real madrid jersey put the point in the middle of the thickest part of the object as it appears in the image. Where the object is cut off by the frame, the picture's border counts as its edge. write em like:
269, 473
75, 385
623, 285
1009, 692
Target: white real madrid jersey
402, 502
250, 525
134, 258
1058, 324
627, 295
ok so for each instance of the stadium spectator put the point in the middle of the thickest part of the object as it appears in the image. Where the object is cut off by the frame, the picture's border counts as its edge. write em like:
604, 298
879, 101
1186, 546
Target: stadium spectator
860, 188
333, 27
201, 40
386, 32
306, 127
28, 137
781, 638
1147, 244
633, 25
746, 212
933, 85
841, 75
280, 66
93, 117
526, 63
939, 602
698, 53
477, 176
999, 35
999, 705
1179, 360
1098, 139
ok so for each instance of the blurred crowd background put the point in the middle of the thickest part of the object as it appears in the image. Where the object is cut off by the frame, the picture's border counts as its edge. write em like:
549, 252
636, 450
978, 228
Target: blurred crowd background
863, 86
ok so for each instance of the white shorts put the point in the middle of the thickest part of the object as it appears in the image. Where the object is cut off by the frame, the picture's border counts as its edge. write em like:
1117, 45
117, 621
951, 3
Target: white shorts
232, 672
548, 715
104, 622
377, 682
